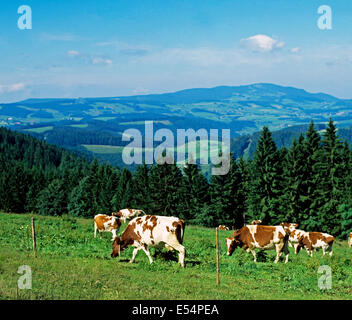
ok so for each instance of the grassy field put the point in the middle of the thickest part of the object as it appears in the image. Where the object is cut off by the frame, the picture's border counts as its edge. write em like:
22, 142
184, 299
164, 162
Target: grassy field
71, 264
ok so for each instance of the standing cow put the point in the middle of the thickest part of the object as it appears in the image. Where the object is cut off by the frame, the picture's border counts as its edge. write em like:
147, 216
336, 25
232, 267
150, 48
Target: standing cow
125, 214
350, 240
105, 223
250, 237
153, 231
312, 241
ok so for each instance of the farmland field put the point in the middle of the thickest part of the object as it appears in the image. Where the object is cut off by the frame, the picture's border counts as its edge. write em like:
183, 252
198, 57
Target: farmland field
72, 264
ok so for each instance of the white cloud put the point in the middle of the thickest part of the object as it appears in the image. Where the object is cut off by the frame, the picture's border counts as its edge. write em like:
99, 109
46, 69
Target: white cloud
12, 87
101, 61
89, 59
295, 50
261, 43
73, 53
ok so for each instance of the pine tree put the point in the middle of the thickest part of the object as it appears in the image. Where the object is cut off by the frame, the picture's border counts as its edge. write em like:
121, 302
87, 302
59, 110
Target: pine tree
167, 191
312, 200
140, 188
265, 197
332, 185
226, 199
122, 197
294, 172
243, 188
197, 189
82, 202
52, 200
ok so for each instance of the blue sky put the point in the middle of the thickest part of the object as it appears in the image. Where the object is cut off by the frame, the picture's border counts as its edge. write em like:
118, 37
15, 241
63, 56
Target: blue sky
127, 47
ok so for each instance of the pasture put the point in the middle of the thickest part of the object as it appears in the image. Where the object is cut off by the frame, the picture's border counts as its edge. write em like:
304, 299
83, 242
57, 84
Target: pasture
71, 264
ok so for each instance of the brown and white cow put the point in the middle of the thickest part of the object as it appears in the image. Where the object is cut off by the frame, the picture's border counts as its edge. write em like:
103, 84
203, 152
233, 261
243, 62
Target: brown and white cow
105, 223
222, 227
256, 222
125, 214
311, 241
153, 231
250, 237
289, 227
350, 240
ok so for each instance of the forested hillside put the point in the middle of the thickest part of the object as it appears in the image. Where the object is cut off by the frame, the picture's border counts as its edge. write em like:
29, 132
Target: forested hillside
309, 182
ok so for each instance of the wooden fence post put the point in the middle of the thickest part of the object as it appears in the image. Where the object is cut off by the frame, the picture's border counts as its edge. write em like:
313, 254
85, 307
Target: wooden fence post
34, 239
217, 258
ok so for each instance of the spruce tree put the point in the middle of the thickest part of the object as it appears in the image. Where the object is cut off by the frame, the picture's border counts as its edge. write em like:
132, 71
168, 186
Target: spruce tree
332, 184
294, 173
312, 199
197, 189
265, 197
82, 202
226, 197
140, 188
52, 200
167, 191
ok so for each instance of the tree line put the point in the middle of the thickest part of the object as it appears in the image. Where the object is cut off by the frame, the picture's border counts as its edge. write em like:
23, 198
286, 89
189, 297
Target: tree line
310, 182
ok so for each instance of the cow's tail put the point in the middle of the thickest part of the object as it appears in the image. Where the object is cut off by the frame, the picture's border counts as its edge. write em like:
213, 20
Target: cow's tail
180, 230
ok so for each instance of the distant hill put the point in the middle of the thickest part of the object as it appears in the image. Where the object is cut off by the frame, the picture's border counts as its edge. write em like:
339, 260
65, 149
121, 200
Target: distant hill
85, 123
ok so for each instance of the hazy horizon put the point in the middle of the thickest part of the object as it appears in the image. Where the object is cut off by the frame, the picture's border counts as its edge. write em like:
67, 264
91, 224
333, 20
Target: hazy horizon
123, 48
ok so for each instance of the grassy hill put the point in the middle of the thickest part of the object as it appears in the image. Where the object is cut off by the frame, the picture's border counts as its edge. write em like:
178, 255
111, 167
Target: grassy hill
71, 264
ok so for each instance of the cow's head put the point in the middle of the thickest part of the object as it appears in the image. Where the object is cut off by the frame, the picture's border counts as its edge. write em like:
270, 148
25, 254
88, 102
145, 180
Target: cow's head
117, 214
233, 243
256, 222
289, 227
118, 246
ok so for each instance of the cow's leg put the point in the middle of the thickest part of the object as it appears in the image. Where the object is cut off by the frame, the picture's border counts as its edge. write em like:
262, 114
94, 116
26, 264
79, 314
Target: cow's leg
286, 252
253, 253
113, 234
135, 251
296, 248
324, 251
181, 254
310, 252
145, 249
278, 248
95, 230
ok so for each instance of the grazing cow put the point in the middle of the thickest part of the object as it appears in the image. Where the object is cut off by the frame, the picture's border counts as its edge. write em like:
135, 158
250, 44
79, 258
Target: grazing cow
289, 227
250, 237
295, 238
153, 231
125, 214
350, 240
256, 222
222, 227
105, 223
312, 241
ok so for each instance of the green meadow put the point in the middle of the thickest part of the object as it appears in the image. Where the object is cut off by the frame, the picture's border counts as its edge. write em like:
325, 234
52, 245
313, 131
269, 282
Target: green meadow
72, 264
